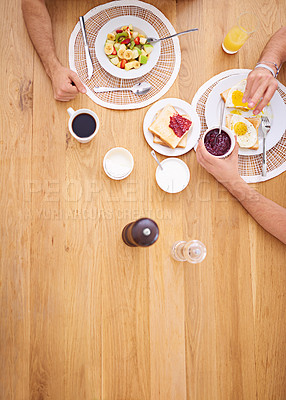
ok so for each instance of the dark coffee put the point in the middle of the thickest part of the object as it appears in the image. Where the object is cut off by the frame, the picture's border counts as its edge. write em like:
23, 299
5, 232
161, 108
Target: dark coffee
84, 125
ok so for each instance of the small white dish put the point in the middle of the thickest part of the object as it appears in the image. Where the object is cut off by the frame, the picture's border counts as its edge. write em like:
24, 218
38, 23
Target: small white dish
118, 163
231, 136
140, 26
174, 177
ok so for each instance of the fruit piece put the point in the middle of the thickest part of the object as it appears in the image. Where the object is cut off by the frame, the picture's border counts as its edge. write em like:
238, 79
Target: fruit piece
135, 53
122, 46
132, 44
120, 53
134, 34
114, 51
108, 49
122, 64
143, 59
110, 36
125, 41
117, 45
129, 66
143, 53
119, 30
130, 27
109, 41
137, 40
148, 48
136, 64
143, 40
121, 35
128, 54
115, 60
139, 50
128, 31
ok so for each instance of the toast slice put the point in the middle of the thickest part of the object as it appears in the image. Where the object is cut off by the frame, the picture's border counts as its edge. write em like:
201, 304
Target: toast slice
182, 143
255, 121
224, 94
160, 127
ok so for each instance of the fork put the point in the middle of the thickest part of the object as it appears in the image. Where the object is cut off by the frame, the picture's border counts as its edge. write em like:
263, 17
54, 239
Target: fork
155, 40
265, 129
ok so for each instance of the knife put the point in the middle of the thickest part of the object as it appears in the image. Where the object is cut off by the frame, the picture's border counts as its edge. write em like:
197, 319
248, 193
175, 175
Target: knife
86, 48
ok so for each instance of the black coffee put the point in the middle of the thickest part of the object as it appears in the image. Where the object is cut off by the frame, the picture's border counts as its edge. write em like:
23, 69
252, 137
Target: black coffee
83, 125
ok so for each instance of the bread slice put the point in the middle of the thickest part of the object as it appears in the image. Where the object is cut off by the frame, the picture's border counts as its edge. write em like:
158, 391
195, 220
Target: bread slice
182, 143
225, 94
255, 121
160, 127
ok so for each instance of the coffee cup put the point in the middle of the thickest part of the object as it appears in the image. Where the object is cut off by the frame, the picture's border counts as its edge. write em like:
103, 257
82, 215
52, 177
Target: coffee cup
83, 124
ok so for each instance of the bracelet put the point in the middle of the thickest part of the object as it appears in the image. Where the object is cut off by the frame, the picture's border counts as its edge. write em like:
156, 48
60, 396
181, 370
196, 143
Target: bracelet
268, 68
270, 62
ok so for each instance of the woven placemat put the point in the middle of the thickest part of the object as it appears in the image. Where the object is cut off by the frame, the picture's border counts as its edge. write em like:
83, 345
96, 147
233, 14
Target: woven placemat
161, 77
250, 167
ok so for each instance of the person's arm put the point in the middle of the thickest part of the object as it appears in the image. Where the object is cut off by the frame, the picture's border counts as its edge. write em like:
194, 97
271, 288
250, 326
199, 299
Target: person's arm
260, 82
268, 214
66, 83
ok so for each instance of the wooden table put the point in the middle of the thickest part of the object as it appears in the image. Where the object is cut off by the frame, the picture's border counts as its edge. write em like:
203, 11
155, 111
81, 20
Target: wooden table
83, 316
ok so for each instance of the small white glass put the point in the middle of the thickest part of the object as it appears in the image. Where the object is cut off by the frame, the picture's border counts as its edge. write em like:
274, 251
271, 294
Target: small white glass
192, 251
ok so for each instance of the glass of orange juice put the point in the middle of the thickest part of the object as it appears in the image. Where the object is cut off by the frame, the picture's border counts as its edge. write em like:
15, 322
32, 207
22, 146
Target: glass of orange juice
247, 23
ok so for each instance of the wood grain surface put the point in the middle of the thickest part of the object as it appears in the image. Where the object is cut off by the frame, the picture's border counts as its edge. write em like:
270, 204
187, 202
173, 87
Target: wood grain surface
85, 317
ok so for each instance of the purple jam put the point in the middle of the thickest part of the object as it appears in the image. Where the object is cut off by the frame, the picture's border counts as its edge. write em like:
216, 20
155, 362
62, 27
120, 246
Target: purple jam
216, 144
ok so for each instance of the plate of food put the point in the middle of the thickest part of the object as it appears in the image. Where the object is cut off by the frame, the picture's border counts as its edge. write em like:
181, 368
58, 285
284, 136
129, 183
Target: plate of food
240, 119
122, 50
171, 127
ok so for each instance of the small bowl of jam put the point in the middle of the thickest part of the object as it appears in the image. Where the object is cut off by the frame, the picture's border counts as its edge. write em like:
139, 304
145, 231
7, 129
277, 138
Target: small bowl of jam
218, 144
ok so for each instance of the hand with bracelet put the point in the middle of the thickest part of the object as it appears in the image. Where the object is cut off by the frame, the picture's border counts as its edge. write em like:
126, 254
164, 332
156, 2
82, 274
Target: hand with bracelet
262, 82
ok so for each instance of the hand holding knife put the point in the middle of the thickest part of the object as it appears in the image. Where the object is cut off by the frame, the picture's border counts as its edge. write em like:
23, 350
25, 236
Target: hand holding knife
86, 48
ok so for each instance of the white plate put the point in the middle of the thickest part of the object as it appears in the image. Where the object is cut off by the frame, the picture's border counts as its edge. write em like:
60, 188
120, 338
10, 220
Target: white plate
183, 108
275, 112
174, 177
138, 25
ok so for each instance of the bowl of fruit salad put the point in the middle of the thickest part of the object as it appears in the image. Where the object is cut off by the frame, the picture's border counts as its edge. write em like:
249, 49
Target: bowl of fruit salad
122, 49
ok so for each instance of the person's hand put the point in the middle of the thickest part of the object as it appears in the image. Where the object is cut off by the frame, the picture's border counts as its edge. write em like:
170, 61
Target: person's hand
260, 84
225, 170
66, 84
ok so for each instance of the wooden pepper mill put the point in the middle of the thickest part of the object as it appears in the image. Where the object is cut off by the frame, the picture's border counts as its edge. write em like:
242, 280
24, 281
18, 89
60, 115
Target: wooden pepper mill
142, 232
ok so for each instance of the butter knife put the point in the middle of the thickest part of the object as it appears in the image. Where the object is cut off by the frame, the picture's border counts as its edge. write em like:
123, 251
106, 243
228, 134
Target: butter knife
86, 48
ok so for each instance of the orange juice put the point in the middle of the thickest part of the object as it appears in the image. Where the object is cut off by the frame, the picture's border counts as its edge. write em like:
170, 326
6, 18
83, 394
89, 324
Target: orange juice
234, 39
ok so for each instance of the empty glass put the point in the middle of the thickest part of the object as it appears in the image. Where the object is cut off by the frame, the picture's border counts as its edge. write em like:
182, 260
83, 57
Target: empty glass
193, 251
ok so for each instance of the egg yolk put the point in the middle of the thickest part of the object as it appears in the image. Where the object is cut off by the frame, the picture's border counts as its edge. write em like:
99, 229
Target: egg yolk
237, 97
236, 112
240, 128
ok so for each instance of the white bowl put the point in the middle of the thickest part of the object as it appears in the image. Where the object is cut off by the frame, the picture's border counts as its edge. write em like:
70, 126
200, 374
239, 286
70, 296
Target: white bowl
175, 175
230, 134
118, 163
139, 25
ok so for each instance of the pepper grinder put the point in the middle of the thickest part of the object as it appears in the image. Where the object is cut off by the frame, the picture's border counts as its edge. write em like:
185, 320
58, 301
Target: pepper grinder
142, 232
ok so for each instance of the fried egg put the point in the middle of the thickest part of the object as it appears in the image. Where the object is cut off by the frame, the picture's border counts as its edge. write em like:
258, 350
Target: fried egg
235, 96
244, 130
